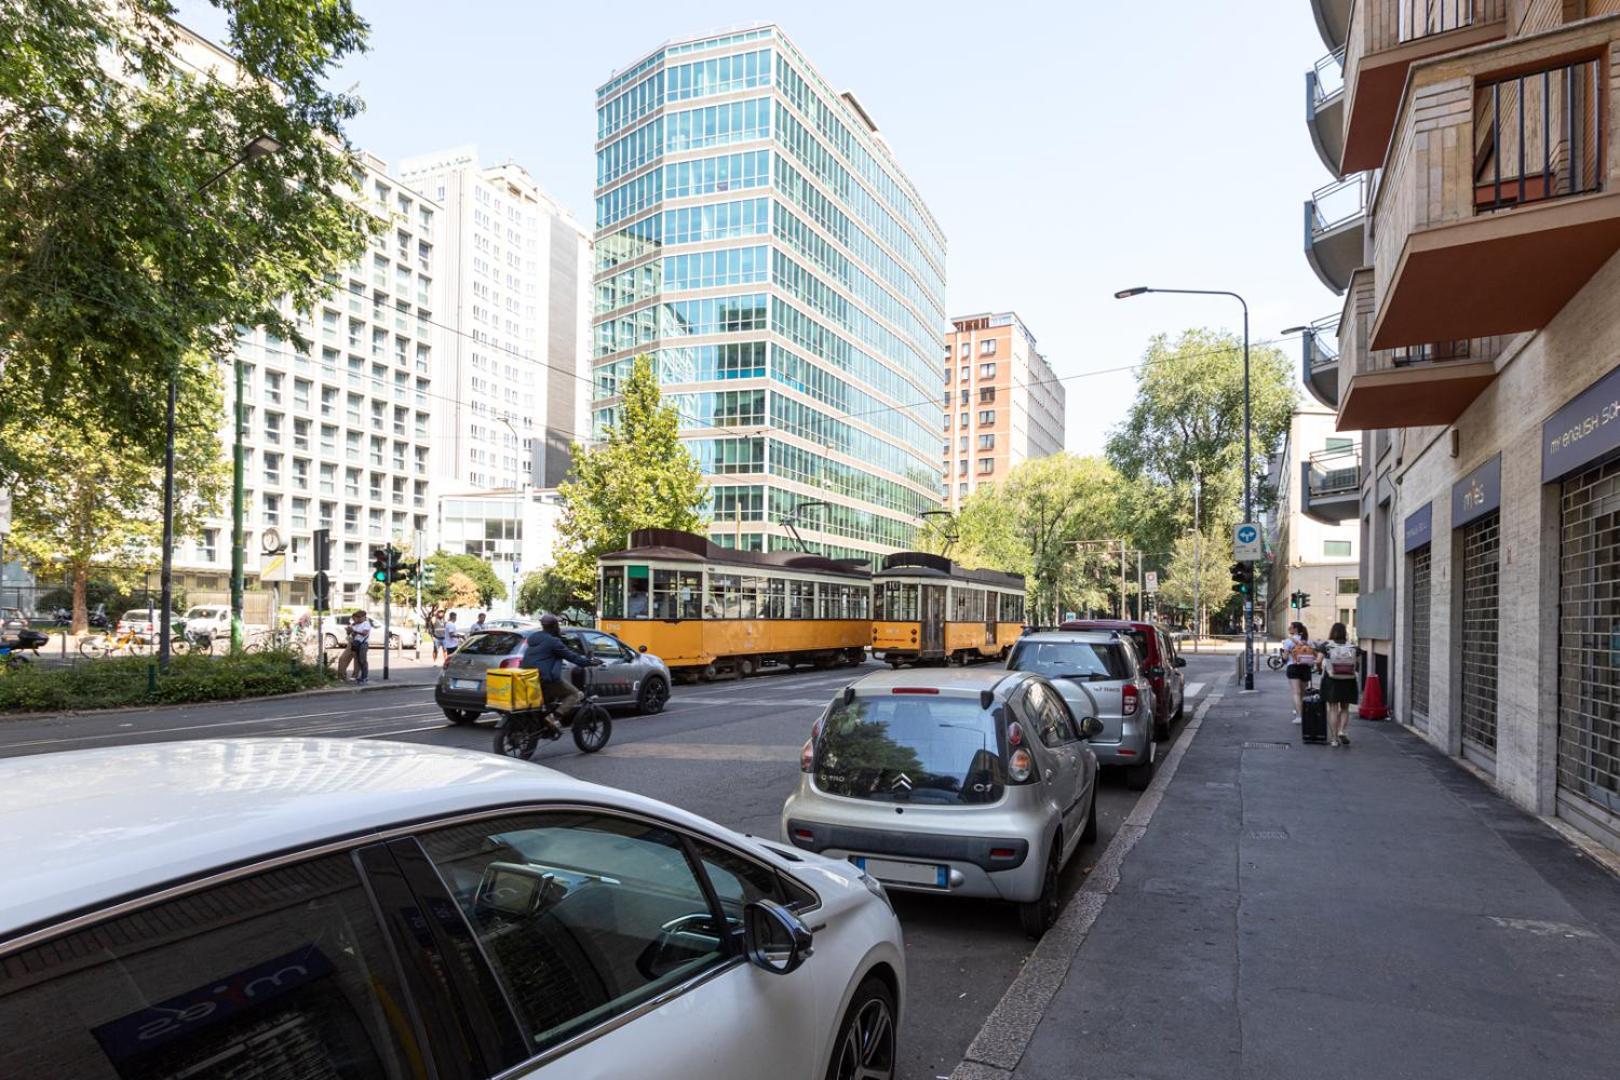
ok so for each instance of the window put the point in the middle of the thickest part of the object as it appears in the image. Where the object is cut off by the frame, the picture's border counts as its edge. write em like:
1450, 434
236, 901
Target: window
1339, 444
987, 395
987, 371
986, 417
961, 490
121, 996
572, 910
987, 464
965, 393
962, 421
961, 444
677, 594
209, 548
1348, 586
963, 376
986, 442
987, 347
961, 467
1336, 548
965, 349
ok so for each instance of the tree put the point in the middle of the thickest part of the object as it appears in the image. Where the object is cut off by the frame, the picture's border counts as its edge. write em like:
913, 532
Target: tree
1206, 560
115, 264
547, 590
461, 591
640, 476
1185, 427
83, 506
485, 585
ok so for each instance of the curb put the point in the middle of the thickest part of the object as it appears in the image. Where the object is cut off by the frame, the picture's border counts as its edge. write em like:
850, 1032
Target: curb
1006, 1033
318, 691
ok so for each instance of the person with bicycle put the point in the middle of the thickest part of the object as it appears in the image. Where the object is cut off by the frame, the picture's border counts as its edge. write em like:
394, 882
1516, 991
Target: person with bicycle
545, 651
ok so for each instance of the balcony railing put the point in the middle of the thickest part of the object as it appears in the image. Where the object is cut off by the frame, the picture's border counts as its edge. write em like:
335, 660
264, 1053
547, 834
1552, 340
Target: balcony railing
1330, 485
1538, 136
1421, 18
1320, 351
1334, 244
1324, 109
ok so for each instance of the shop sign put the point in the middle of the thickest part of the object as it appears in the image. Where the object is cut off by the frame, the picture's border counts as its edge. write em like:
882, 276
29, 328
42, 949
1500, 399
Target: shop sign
1582, 431
1477, 494
1419, 527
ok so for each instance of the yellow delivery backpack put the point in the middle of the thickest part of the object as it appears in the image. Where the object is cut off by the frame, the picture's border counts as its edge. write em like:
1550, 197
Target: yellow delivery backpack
510, 690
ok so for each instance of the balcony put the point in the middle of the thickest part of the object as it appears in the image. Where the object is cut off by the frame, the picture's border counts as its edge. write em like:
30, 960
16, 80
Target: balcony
1501, 198
1320, 366
1333, 22
1334, 220
1410, 386
1330, 486
1324, 109
1385, 38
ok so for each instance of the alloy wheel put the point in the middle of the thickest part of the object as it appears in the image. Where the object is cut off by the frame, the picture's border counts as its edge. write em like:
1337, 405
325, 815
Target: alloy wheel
867, 1049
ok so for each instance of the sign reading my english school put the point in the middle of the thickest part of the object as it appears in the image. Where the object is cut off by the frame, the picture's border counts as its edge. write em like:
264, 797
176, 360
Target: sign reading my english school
1477, 494
1582, 431
1419, 527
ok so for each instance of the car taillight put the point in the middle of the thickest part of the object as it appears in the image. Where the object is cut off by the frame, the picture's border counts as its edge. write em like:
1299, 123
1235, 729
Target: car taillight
1020, 766
1129, 699
512, 662
807, 755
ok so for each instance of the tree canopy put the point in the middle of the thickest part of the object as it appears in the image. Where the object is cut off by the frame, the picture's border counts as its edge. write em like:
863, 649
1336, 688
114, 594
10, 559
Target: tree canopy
127, 242
639, 476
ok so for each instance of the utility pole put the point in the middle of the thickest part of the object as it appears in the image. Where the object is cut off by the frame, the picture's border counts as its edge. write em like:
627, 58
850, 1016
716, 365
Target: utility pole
1198, 556
1124, 611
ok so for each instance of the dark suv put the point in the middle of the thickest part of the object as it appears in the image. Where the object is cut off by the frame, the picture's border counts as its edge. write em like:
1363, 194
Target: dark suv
1160, 663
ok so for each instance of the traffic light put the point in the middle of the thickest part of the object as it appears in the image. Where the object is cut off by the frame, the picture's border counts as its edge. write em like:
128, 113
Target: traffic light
1304, 600
396, 565
1243, 577
379, 564
428, 573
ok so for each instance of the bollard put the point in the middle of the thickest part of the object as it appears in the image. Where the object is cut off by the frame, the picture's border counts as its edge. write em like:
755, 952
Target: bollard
151, 680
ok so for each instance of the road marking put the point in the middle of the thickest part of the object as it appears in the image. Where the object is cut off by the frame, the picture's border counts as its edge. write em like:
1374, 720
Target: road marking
121, 733
1000, 1044
1193, 689
705, 752
790, 702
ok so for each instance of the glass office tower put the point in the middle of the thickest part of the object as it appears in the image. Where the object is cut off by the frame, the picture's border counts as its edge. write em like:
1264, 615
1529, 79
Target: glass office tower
757, 239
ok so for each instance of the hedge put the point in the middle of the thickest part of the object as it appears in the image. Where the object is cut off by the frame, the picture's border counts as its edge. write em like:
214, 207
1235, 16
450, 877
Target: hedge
106, 684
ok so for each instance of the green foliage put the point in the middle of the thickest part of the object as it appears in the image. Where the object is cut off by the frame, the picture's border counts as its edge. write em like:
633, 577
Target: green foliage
1187, 423
84, 505
639, 477
1207, 561
126, 245
548, 590
105, 684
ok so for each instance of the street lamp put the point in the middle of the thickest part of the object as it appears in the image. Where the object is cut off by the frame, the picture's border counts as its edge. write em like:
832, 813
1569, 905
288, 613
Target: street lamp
1248, 455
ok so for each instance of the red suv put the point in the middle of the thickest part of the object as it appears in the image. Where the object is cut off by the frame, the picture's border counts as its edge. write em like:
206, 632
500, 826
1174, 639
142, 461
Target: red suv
1160, 663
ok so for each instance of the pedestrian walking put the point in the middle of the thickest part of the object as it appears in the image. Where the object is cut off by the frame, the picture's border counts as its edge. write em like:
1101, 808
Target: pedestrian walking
479, 625
1302, 657
1339, 690
435, 633
360, 642
452, 636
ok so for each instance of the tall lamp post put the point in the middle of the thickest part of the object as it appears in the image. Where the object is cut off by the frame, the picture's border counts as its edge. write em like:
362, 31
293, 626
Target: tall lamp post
260, 147
1248, 456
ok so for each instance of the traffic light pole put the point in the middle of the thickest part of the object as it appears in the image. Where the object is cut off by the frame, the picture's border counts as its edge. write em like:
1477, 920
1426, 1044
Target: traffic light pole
388, 596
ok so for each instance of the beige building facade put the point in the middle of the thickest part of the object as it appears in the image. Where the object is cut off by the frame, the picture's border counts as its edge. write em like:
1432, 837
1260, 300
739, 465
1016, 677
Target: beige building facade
1312, 551
1477, 354
1003, 406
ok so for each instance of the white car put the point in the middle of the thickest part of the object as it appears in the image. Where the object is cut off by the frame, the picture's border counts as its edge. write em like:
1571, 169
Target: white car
400, 910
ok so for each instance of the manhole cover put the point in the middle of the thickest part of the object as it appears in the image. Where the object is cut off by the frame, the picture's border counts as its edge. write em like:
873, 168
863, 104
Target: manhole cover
1266, 745
1267, 834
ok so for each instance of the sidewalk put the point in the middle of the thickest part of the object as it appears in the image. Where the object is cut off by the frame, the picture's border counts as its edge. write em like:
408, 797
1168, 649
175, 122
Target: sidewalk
1297, 911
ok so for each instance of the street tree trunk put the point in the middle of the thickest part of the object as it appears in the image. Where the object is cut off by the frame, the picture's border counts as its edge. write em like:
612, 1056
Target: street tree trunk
81, 609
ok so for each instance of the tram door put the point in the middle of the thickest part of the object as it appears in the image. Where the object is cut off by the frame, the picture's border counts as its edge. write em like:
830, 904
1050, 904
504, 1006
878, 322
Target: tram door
933, 619
990, 601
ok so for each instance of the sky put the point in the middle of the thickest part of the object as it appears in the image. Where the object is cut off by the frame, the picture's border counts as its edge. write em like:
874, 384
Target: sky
1068, 150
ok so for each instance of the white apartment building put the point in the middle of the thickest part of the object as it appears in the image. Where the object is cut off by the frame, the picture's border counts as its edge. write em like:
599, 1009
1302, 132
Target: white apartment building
513, 376
1313, 475
1009, 407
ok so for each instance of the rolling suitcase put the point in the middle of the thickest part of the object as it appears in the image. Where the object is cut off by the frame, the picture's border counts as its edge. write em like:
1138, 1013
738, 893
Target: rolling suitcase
1313, 716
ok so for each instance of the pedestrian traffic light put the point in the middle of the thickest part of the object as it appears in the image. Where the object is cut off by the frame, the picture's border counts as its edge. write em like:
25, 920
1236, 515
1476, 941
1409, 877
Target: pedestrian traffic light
379, 564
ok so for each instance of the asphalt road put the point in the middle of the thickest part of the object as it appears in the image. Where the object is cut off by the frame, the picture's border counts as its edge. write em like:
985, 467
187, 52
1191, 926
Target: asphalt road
728, 751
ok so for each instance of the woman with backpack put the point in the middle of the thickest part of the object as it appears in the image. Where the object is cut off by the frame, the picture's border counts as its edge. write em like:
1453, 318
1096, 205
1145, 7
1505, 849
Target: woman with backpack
1301, 664
1339, 690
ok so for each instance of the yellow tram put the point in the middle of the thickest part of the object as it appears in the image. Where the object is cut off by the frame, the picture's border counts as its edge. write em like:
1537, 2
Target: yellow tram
704, 608
926, 609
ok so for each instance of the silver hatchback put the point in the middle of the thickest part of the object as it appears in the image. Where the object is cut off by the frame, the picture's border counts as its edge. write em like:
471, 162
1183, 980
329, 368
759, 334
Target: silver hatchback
1099, 674
976, 782
626, 677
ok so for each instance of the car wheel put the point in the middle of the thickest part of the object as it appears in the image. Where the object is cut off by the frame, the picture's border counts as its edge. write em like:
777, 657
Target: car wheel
1138, 777
866, 1039
1039, 914
653, 696
460, 716
1088, 835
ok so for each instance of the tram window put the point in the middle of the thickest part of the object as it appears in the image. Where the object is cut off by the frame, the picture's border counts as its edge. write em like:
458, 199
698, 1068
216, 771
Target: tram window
752, 588
801, 600
613, 592
725, 597
775, 598
677, 594
640, 599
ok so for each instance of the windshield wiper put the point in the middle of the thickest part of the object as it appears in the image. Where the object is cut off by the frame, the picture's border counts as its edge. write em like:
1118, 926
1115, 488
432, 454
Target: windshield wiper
1085, 676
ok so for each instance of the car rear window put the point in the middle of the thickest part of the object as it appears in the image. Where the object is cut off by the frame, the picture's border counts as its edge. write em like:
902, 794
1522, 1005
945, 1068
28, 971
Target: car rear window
916, 748
138, 615
1095, 661
492, 643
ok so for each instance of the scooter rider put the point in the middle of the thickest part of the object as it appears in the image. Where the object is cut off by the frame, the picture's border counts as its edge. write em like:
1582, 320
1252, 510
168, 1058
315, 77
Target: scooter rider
546, 650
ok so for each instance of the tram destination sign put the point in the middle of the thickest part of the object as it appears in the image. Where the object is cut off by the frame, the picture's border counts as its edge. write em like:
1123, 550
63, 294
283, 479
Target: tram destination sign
1477, 494
1582, 431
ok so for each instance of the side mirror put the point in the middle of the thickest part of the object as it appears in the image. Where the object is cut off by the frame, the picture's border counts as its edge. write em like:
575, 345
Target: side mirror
777, 940
1090, 727
1181, 661
641, 648
1154, 672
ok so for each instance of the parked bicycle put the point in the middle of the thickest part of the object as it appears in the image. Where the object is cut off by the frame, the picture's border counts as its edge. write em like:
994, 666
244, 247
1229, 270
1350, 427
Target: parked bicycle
113, 643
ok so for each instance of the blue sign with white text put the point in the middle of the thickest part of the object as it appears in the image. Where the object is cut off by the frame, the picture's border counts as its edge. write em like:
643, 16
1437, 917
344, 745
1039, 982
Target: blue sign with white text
1419, 527
1582, 431
1477, 494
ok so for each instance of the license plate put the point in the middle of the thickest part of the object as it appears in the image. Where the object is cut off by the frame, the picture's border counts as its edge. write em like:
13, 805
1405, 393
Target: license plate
903, 873
466, 684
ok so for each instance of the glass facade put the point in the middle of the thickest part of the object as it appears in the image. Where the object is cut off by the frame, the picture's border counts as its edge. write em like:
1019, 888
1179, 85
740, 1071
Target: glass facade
786, 278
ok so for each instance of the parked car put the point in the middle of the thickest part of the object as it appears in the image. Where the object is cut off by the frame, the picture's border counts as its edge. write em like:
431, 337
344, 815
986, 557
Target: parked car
626, 677
975, 782
391, 909
143, 623
1161, 662
334, 629
1099, 675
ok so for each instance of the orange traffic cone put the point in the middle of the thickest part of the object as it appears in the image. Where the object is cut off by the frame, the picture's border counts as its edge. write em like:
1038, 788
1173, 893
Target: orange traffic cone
1372, 700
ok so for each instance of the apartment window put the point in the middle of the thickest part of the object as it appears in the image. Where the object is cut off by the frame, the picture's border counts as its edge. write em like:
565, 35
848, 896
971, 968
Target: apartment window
987, 371
300, 434
351, 483
987, 464
963, 376
987, 347
987, 395
328, 511
328, 479
1347, 586
965, 349
272, 468
272, 427
965, 393
272, 509
329, 396
351, 523
301, 473
962, 444
1336, 548
374, 522
961, 467
300, 513
351, 557
1339, 444
209, 547
946, 452
986, 417
272, 388
987, 442
963, 423
301, 394
961, 490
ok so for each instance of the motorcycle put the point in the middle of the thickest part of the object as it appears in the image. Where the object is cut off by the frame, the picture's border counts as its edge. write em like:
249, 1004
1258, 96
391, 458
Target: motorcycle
14, 654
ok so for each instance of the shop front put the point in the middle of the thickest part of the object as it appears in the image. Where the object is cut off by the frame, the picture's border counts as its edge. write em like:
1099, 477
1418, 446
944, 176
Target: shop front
1476, 516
